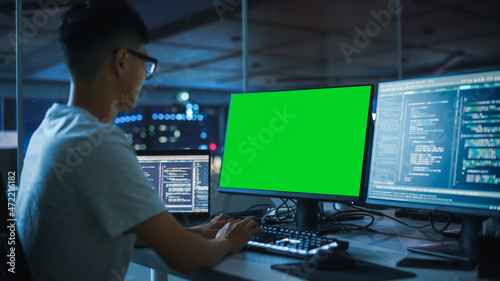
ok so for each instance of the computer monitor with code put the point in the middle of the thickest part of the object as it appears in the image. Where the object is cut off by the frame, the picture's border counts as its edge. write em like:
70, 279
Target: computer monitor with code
181, 178
436, 147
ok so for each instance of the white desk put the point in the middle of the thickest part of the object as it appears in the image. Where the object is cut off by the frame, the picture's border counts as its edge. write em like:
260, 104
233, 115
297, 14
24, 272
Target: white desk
377, 248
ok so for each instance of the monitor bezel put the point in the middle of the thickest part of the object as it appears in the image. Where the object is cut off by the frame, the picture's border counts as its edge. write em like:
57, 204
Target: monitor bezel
315, 196
447, 209
370, 203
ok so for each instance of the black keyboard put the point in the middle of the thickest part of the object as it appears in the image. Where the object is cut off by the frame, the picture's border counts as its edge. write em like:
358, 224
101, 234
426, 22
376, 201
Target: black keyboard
292, 243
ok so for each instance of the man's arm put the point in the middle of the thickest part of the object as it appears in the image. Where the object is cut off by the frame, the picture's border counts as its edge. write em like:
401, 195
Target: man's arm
208, 230
185, 251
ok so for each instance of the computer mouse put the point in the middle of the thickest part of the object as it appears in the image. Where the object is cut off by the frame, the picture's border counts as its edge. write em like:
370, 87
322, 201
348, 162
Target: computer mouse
331, 259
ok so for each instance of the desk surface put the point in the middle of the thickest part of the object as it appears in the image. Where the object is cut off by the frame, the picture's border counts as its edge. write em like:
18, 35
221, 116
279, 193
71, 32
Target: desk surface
384, 248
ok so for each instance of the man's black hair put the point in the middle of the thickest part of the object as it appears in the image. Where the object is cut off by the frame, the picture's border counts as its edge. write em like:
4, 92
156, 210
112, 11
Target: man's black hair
91, 31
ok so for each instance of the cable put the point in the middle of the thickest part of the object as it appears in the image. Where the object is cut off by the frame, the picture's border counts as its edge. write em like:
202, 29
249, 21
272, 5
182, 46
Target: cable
277, 216
444, 227
431, 221
255, 206
392, 218
337, 217
335, 220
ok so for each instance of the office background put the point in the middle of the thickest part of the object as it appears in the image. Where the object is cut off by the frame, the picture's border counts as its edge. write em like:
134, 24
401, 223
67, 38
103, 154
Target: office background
290, 44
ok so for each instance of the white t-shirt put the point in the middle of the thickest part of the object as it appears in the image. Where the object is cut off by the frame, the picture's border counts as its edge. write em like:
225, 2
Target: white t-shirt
81, 191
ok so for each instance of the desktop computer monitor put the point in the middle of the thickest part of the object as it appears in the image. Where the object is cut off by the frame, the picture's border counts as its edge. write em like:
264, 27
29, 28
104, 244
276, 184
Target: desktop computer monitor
436, 147
181, 178
310, 145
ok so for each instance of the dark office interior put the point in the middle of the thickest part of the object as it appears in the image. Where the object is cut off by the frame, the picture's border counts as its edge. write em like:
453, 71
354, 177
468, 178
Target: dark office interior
204, 56
290, 45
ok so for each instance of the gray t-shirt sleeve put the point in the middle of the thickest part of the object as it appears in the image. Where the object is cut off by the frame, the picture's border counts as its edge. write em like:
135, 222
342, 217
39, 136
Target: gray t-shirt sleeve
116, 189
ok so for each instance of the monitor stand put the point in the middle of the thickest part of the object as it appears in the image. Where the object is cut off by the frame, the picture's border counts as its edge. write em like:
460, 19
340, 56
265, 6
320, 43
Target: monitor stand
306, 216
464, 249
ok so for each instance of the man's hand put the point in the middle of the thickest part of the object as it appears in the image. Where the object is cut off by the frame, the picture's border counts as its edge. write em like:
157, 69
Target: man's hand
186, 251
238, 233
209, 230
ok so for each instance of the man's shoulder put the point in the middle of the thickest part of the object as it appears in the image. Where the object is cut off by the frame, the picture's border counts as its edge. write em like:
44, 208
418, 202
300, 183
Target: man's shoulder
72, 140
70, 126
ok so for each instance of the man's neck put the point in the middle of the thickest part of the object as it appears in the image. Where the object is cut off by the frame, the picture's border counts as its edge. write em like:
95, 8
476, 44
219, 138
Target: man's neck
95, 99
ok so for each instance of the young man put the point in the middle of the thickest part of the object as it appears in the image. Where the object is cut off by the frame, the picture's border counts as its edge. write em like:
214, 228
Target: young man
83, 199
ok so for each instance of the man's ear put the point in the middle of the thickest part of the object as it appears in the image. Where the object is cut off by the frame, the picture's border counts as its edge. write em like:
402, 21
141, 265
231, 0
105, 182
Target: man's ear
119, 61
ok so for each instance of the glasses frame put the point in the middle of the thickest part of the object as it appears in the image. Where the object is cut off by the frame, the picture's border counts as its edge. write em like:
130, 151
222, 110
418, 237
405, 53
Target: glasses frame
146, 58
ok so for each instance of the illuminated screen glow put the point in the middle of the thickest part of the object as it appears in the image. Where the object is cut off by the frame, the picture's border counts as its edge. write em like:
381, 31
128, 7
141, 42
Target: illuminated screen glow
300, 141
442, 148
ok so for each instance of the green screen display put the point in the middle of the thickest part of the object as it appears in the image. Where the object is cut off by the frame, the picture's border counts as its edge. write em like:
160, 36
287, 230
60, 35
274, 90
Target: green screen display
301, 141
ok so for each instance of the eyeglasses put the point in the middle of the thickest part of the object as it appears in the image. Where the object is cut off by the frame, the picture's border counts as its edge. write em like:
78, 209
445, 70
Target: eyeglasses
150, 63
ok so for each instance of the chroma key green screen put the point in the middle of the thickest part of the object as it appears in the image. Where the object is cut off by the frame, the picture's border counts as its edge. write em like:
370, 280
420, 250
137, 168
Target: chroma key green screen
297, 143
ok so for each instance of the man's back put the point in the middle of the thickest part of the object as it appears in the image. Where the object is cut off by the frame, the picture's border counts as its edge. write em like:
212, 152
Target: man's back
81, 191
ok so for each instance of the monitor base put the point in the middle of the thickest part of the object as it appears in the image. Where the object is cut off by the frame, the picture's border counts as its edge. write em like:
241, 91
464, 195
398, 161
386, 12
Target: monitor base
466, 248
447, 249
